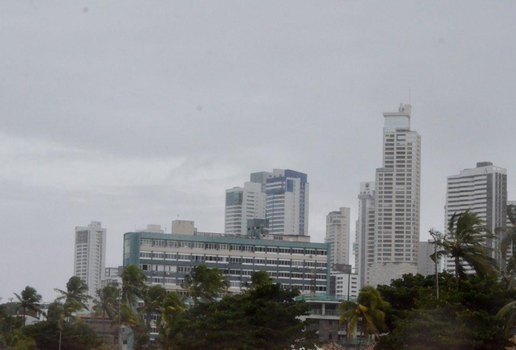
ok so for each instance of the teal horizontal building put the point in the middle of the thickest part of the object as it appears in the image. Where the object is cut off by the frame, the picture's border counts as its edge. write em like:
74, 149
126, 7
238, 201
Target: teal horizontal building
167, 258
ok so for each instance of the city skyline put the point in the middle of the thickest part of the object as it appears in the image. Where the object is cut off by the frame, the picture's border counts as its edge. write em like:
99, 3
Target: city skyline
125, 116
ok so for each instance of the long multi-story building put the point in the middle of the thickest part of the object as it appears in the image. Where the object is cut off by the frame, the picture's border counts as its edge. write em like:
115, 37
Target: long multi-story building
291, 260
90, 255
280, 197
337, 235
364, 254
397, 201
481, 190
243, 204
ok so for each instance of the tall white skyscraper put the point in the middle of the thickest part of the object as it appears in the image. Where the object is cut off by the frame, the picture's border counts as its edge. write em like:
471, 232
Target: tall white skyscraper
397, 200
90, 255
337, 234
287, 202
364, 256
483, 191
242, 204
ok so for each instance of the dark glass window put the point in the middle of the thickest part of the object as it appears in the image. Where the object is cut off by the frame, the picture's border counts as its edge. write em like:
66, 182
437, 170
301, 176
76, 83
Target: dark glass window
234, 198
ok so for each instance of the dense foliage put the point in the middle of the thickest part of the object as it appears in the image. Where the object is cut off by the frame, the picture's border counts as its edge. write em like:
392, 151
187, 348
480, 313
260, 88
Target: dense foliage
265, 316
460, 319
459, 311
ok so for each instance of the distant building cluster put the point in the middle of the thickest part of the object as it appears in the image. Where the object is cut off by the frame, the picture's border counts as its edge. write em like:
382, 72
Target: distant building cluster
266, 229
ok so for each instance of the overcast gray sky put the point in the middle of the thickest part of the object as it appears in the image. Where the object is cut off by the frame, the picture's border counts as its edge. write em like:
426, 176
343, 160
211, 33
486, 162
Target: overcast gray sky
136, 112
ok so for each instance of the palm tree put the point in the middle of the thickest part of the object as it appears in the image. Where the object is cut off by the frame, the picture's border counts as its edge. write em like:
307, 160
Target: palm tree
368, 313
465, 242
508, 244
508, 314
153, 303
205, 284
29, 300
173, 306
108, 301
75, 297
133, 285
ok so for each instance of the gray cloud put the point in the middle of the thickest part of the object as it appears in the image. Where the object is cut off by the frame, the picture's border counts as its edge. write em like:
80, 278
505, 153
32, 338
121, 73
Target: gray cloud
133, 113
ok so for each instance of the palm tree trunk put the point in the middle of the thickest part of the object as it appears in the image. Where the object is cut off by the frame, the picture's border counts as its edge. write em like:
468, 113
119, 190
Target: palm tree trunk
457, 265
457, 276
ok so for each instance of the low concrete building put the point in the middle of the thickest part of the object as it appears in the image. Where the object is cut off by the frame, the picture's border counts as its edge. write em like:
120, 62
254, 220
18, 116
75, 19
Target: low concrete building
323, 317
167, 258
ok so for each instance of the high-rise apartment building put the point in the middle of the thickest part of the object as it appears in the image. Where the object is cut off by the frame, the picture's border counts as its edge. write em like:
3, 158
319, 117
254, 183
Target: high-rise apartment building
483, 191
242, 204
280, 197
511, 207
90, 255
337, 235
397, 200
364, 255
287, 202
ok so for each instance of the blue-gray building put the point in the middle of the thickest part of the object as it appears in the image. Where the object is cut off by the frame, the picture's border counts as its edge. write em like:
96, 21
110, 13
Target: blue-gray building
291, 260
287, 202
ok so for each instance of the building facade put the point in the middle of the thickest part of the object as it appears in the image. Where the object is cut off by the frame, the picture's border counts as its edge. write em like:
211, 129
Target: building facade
481, 190
324, 318
90, 255
337, 235
280, 197
364, 254
397, 200
242, 204
344, 285
167, 258
287, 202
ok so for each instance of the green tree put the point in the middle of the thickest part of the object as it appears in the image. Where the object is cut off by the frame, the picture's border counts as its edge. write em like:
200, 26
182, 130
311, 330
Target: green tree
204, 284
133, 285
264, 316
508, 244
153, 300
10, 325
75, 297
460, 319
107, 303
508, 315
260, 279
173, 308
465, 242
74, 336
368, 313
29, 301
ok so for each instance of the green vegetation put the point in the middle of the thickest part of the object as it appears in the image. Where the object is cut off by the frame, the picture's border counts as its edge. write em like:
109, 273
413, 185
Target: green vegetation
368, 313
29, 301
451, 311
265, 316
472, 311
204, 284
465, 243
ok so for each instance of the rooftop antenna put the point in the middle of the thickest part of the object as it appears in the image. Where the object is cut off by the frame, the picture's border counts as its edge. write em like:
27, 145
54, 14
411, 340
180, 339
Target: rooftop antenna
409, 96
